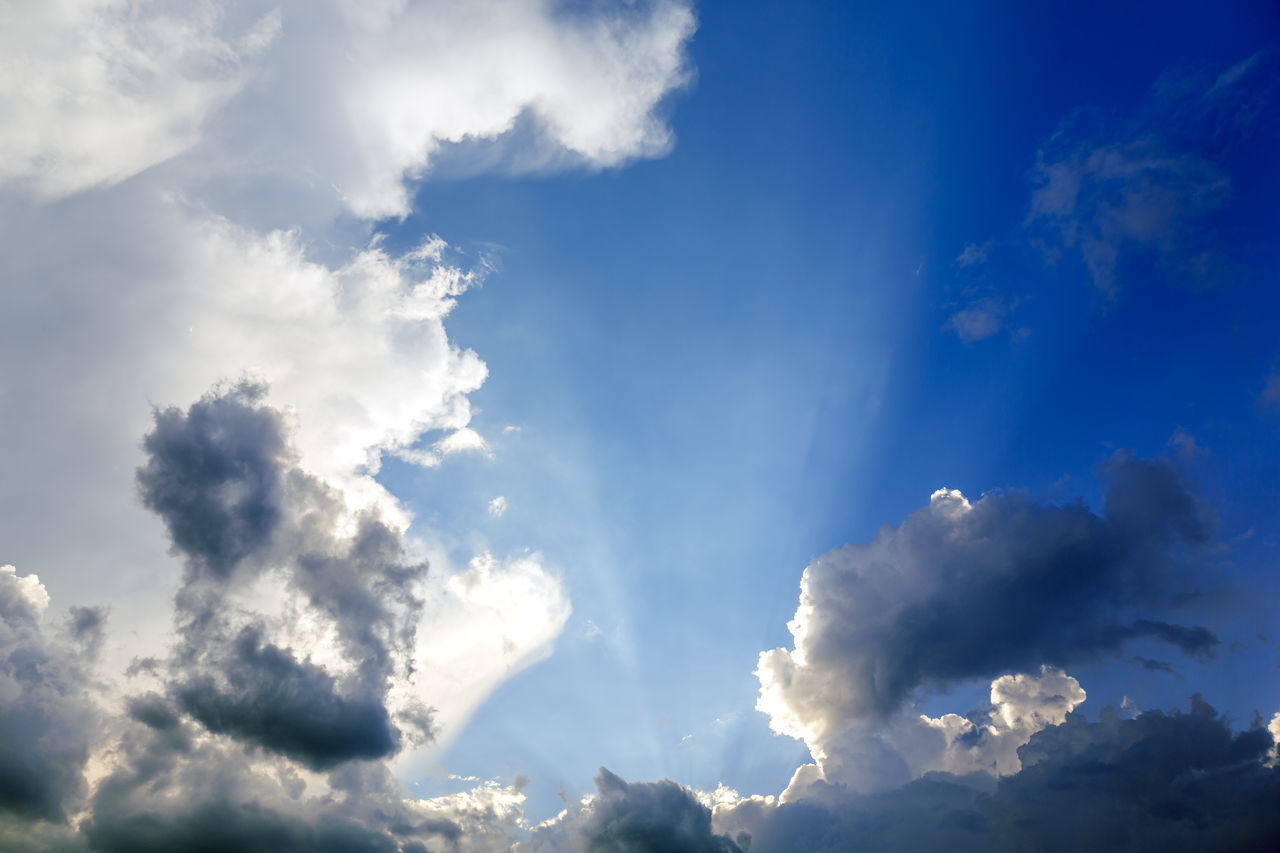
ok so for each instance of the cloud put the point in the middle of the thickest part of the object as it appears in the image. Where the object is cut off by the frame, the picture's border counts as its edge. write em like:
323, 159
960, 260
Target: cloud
876, 755
1271, 391
186, 198
962, 590
489, 621
498, 506
1180, 781
47, 717
1107, 200
173, 790
237, 506
973, 254
362, 96
979, 320
465, 440
94, 92
632, 817
176, 199
288, 706
1119, 195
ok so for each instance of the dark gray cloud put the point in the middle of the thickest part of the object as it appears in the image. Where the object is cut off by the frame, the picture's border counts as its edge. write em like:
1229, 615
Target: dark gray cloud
171, 789
214, 474
635, 817
293, 708
1181, 781
1004, 584
48, 723
168, 793
238, 508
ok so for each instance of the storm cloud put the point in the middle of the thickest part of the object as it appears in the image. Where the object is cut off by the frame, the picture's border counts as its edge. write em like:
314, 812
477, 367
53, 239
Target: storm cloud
964, 590
633, 817
1160, 781
46, 715
240, 509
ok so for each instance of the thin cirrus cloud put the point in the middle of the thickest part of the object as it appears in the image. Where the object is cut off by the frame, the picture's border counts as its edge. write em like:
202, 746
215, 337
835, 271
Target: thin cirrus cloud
1121, 195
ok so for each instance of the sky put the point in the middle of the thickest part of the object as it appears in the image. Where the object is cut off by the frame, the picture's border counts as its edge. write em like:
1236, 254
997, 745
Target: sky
525, 425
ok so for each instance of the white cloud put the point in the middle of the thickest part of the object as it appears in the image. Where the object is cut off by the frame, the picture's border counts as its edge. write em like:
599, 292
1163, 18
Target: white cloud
94, 91
465, 440
481, 626
498, 506
177, 184
350, 98
869, 756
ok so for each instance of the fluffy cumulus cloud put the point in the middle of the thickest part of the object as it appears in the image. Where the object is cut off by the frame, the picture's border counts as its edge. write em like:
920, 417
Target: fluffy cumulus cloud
1173, 781
1179, 781
188, 198
177, 200
635, 817
867, 756
355, 97
964, 590
296, 666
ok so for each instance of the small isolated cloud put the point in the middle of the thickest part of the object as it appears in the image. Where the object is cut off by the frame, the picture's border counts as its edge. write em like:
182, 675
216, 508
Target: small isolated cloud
1235, 73
973, 254
979, 320
498, 506
465, 440
1271, 391
1184, 442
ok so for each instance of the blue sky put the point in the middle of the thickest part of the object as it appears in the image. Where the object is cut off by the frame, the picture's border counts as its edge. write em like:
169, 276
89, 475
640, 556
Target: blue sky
729, 360
626, 318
